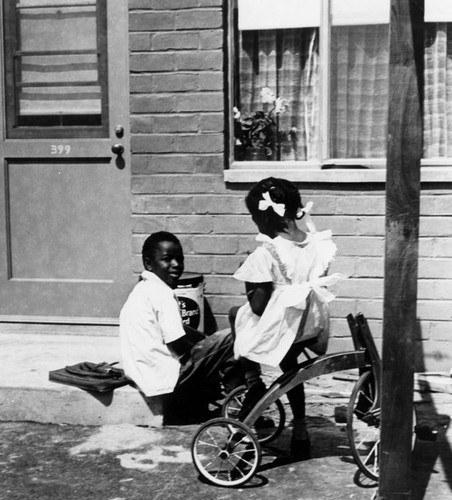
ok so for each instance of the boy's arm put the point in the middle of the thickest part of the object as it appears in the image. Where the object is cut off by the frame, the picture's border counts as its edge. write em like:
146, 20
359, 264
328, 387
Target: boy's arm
258, 296
182, 346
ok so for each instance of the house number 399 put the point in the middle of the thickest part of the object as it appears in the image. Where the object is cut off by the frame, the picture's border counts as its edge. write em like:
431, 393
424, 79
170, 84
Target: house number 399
60, 149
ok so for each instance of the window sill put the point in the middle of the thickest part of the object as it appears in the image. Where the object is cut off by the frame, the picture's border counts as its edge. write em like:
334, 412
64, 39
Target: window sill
259, 170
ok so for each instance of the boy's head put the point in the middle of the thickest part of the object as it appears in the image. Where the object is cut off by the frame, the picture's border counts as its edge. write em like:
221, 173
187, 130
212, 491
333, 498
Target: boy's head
163, 255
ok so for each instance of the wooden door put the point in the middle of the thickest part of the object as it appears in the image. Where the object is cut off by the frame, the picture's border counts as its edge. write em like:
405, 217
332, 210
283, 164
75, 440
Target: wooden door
65, 241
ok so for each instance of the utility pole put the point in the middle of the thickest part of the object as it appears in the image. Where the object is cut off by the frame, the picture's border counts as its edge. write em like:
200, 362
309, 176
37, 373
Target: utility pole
404, 152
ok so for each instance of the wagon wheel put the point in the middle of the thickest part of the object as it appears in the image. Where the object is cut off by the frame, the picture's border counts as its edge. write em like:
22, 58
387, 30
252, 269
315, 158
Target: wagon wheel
363, 426
268, 426
226, 452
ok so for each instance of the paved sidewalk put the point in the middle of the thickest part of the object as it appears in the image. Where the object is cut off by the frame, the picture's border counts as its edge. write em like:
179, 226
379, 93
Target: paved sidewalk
127, 462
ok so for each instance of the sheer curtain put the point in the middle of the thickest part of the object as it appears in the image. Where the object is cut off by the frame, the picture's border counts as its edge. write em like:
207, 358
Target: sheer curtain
286, 61
359, 91
438, 90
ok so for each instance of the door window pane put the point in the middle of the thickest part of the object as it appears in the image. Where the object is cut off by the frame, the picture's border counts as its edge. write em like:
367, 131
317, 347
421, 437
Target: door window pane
56, 63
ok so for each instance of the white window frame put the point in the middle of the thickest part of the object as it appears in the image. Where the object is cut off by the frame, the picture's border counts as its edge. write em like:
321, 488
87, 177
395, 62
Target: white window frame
355, 170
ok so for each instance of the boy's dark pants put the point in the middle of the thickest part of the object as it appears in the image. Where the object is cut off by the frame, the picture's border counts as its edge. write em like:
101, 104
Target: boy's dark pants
211, 365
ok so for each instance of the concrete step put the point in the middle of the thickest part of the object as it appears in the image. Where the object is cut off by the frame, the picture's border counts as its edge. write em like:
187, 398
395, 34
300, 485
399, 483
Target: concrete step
26, 394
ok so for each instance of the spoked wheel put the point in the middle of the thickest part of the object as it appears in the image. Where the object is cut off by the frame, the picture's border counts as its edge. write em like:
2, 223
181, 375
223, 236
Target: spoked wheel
225, 452
268, 426
363, 426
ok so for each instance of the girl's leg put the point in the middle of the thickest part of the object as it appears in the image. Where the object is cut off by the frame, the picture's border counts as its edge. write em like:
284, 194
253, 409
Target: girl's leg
300, 443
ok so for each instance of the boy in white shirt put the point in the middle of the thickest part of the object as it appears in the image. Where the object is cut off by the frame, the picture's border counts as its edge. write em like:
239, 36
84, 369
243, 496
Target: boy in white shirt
159, 355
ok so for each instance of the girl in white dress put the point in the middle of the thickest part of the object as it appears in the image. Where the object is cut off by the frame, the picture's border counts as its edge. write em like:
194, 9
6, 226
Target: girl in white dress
285, 279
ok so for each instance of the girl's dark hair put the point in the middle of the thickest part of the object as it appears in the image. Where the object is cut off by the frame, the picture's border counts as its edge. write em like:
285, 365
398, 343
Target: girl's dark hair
280, 191
152, 241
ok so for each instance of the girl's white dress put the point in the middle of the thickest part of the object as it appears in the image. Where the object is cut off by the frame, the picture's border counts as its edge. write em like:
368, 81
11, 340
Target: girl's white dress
298, 306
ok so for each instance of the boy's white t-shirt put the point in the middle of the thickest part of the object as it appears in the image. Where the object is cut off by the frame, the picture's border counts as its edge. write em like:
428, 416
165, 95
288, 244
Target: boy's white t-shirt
297, 272
148, 321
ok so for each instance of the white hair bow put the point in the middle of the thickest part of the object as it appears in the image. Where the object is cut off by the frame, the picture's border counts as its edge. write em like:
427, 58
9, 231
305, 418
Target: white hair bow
306, 211
267, 202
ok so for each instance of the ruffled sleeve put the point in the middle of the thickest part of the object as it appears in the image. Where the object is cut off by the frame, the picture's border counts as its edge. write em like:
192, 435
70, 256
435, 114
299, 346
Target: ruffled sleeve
325, 250
256, 268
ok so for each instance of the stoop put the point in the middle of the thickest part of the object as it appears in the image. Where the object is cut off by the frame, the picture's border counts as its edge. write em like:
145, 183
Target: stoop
26, 394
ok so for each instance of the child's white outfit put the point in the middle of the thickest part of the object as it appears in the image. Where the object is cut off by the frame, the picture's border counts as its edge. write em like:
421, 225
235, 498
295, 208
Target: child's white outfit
298, 307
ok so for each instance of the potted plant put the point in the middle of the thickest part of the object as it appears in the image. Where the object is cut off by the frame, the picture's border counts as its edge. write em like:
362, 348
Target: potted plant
255, 132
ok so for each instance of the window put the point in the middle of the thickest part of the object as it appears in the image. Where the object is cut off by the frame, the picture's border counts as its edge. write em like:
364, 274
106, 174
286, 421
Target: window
310, 83
56, 68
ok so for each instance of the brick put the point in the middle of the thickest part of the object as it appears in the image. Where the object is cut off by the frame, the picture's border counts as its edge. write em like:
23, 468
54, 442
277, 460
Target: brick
190, 224
359, 288
323, 204
161, 184
433, 356
161, 164
212, 39
435, 226
163, 124
339, 345
174, 82
369, 267
148, 224
344, 265
362, 246
222, 285
441, 331
210, 3
201, 143
435, 310
442, 247
200, 101
215, 245
435, 268
214, 122
140, 62
176, 40
198, 19
138, 205
227, 264
152, 104
156, 143
152, 21
215, 204
199, 61
248, 243
168, 204
197, 264
209, 80
361, 205
439, 204
139, 41
233, 224
173, 4
221, 304
426, 247
141, 124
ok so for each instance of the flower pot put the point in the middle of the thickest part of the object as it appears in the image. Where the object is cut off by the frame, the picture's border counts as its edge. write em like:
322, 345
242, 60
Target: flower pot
255, 154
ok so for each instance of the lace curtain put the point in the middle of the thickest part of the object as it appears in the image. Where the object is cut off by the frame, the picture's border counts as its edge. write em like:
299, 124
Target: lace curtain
287, 61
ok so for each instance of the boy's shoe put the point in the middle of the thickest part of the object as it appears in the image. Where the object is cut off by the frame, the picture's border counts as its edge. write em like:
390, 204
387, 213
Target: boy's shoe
300, 449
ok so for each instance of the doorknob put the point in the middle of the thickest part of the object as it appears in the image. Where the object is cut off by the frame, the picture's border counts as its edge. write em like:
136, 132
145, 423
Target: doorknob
117, 149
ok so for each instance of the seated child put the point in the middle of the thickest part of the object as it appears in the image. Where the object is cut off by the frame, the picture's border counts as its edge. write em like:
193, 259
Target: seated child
159, 355
287, 299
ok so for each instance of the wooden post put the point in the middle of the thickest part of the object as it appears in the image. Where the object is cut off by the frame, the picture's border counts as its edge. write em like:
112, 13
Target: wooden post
401, 253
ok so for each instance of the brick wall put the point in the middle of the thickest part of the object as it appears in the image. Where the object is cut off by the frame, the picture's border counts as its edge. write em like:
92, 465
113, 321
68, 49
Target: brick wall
177, 100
